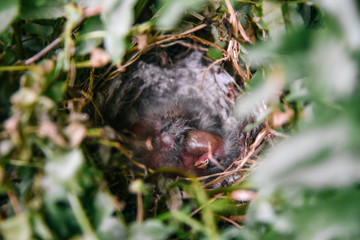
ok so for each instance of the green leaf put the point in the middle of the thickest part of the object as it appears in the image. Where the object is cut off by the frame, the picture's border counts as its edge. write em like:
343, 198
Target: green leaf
56, 90
118, 18
104, 207
273, 18
216, 53
256, 81
9, 9
333, 73
107, 225
88, 3
40, 227
17, 227
73, 14
91, 35
63, 167
222, 206
173, 11
39, 9
150, 230
314, 159
111, 228
347, 14
334, 214
59, 215
234, 233
40, 30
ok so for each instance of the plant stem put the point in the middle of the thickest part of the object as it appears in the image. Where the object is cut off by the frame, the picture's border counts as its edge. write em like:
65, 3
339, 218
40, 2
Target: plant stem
81, 217
17, 36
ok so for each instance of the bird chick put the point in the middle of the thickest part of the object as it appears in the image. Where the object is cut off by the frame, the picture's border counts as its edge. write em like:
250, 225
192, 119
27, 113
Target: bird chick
174, 115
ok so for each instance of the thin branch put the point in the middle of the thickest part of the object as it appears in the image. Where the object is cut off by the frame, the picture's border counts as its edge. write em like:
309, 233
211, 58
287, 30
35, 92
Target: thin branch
14, 202
231, 221
44, 51
140, 211
212, 65
88, 12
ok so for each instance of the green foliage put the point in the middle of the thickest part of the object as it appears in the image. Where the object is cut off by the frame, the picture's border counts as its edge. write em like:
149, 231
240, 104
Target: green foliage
8, 11
172, 11
39, 9
55, 181
115, 41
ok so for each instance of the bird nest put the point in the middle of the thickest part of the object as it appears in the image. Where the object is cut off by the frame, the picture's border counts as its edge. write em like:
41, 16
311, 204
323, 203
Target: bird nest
117, 105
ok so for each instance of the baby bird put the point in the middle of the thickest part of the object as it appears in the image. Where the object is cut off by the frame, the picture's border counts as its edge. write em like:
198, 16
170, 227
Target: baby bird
174, 112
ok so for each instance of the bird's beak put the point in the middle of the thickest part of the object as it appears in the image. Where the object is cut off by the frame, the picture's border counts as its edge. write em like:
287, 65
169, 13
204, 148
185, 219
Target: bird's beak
201, 163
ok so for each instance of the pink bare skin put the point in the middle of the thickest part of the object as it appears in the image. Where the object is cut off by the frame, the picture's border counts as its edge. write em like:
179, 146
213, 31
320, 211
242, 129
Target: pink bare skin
198, 150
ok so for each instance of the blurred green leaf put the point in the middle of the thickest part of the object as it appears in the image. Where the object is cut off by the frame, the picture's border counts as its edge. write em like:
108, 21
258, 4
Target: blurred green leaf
57, 90
59, 215
295, 164
216, 53
9, 10
40, 228
89, 3
39, 9
267, 92
150, 230
273, 17
41, 30
17, 227
291, 16
108, 225
256, 81
325, 211
111, 228
91, 35
73, 14
185, 218
63, 167
118, 18
348, 18
227, 206
172, 10
234, 233
332, 71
